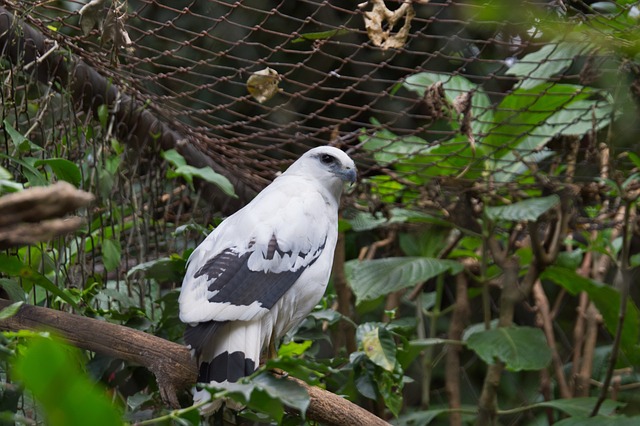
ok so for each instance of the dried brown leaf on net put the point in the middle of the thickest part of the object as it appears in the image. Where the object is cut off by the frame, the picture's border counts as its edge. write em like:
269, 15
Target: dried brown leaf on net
462, 105
380, 17
263, 84
109, 17
435, 102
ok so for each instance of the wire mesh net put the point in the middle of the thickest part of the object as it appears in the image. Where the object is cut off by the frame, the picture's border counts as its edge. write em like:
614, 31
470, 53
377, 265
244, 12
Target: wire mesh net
432, 98
383, 77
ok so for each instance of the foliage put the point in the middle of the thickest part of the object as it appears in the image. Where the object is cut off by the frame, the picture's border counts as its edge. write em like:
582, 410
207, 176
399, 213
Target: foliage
488, 275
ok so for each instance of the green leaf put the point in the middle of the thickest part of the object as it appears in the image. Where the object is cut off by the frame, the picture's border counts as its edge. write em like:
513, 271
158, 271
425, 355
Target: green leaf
174, 157
103, 115
207, 174
380, 348
187, 172
293, 348
607, 300
549, 61
599, 421
432, 341
33, 175
322, 35
526, 210
418, 418
387, 147
455, 86
67, 396
111, 254
577, 118
166, 269
13, 267
524, 110
286, 391
21, 143
371, 279
520, 348
64, 169
10, 310
13, 289
577, 407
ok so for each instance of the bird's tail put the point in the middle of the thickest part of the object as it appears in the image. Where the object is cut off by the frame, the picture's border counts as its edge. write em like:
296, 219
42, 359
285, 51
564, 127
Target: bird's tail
225, 351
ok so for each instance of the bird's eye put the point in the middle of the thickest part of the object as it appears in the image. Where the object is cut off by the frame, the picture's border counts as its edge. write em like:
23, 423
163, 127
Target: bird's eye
327, 159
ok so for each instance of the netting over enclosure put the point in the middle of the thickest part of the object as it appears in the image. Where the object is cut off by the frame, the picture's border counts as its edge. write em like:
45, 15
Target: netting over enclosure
424, 88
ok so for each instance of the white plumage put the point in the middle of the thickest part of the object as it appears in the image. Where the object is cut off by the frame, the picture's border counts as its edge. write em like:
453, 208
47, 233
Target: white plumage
264, 269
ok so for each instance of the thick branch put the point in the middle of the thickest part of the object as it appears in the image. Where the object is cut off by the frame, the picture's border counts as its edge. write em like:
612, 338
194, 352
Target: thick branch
170, 362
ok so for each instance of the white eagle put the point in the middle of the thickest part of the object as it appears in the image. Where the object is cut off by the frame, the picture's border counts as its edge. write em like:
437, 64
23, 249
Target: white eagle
263, 270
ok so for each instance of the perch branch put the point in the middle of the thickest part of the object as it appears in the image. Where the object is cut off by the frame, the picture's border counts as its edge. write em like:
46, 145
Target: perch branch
170, 362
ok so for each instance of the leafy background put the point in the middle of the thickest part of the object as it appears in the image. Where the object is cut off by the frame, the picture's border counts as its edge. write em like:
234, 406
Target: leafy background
486, 270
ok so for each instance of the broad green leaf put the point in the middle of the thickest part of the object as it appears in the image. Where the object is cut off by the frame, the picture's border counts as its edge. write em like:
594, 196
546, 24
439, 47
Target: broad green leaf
166, 269
21, 143
10, 310
549, 61
286, 391
365, 221
207, 174
526, 210
266, 394
64, 169
519, 348
387, 147
111, 254
418, 418
14, 289
174, 157
390, 388
599, 421
455, 86
294, 348
580, 406
13, 267
380, 348
67, 396
370, 279
576, 119
524, 110
607, 300
32, 174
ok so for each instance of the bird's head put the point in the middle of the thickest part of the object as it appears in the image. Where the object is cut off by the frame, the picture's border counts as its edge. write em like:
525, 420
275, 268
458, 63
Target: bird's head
328, 165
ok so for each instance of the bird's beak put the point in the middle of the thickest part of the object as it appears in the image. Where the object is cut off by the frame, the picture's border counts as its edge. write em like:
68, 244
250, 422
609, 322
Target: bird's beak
350, 175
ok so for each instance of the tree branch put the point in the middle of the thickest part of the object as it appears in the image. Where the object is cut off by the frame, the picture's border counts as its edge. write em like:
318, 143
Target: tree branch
171, 363
459, 320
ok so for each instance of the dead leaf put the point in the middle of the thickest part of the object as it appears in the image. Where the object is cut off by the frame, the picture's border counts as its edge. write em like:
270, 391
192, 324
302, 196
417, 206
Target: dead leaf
380, 17
435, 102
91, 15
109, 18
263, 84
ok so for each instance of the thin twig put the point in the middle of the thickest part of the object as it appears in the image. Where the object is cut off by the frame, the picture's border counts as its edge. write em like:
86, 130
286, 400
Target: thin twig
625, 273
